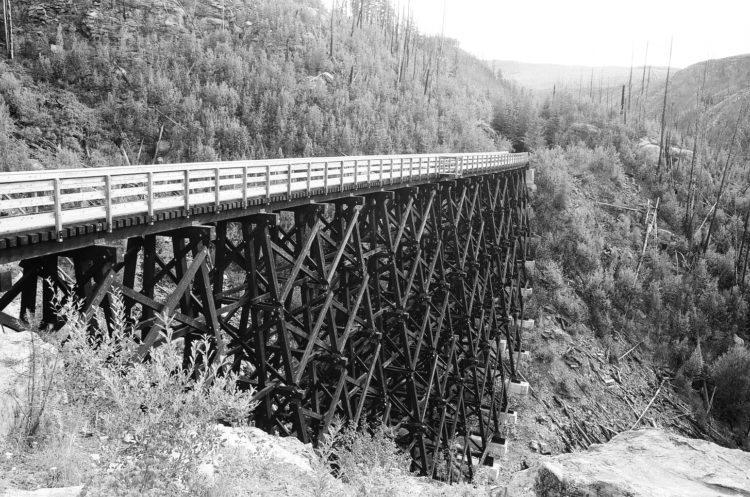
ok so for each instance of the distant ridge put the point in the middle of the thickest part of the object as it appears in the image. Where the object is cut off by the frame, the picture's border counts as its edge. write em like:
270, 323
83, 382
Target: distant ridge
727, 90
543, 77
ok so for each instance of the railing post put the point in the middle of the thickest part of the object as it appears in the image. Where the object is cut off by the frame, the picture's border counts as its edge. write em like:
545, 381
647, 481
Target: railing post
341, 174
217, 190
186, 181
369, 173
289, 183
325, 178
381, 172
150, 217
401, 170
58, 210
108, 201
356, 172
244, 187
411, 168
309, 178
268, 183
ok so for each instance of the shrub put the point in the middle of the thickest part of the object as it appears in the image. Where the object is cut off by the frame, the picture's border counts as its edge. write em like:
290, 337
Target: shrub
157, 415
354, 452
730, 374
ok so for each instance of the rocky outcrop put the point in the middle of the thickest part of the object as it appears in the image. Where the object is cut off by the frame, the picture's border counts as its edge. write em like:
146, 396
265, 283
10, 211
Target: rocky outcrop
26, 369
46, 492
644, 463
650, 151
254, 442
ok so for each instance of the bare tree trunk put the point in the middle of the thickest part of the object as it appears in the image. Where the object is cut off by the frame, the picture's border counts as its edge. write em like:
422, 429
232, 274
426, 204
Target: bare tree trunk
690, 207
5, 25
8, 25
641, 102
354, 15
737, 264
333, 12
439, 57
664, 115
630, 84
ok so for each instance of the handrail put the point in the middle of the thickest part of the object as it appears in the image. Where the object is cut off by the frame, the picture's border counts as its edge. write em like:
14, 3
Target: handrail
53, 199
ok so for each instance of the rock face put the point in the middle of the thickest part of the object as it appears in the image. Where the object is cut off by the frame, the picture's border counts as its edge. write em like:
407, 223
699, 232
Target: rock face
286, 450
254, 442
46, 492
26, 367
644, 463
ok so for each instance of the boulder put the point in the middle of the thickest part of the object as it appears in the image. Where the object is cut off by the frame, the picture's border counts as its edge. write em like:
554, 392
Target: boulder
26, 368
644, 463
286, 452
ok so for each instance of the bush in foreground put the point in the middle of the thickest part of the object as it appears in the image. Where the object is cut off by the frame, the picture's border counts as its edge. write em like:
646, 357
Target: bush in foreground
127, 427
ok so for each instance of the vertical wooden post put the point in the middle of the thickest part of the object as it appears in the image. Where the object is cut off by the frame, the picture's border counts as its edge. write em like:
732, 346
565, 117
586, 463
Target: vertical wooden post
148, 276
150, 199
108, 201
58, 209
217, 190
289, 182
309, 178
31, 270
49, 272
268, 183
244, 187
186, 182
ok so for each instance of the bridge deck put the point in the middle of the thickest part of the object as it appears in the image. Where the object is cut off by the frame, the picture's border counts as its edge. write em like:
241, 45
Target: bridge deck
38, 207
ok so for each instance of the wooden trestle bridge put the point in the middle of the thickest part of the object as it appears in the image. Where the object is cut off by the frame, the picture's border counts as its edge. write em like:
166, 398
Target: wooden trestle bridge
381, 289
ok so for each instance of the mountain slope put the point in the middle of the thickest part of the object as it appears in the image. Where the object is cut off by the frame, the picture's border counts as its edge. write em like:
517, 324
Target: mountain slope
545, 76
727, 88
173, 81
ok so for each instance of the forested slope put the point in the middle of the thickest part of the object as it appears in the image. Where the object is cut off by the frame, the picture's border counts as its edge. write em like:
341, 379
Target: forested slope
97, 83
670, 283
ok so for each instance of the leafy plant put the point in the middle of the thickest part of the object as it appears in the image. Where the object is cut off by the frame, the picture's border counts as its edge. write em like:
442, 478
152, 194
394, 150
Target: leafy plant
157, 415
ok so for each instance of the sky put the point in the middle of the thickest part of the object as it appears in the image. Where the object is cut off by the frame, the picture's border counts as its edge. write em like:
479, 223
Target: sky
591, 32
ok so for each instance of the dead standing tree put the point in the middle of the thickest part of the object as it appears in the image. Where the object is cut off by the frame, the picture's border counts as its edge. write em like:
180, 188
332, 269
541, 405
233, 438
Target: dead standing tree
8, 28
690, 204
664, 116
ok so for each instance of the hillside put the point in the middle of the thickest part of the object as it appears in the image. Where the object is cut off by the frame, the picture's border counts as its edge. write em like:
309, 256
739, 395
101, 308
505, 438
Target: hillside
727, 89
543, 77
96, 83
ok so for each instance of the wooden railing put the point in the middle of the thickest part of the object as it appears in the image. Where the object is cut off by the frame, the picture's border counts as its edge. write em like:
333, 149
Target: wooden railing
52, 199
